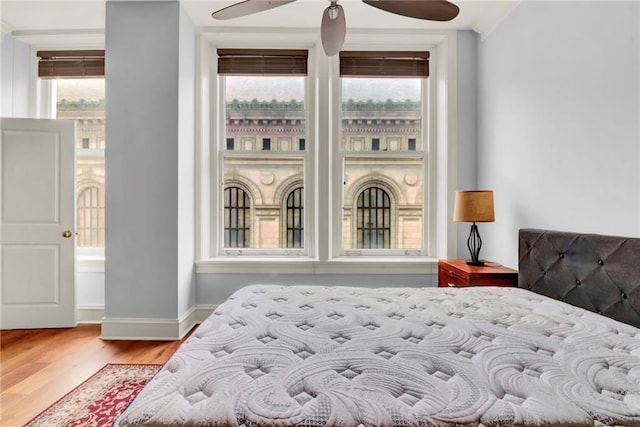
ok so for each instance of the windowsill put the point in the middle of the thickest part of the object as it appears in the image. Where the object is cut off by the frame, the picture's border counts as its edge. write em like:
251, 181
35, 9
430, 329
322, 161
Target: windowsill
368, 265
90, 260
257, 265
86, 264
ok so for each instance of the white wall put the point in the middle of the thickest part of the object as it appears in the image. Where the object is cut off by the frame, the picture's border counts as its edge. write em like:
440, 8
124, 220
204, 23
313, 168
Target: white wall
558, 113
186, 163
14, 77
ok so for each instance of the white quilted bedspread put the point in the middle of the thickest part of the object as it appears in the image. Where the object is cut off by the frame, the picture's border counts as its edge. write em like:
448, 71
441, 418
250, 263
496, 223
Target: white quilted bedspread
315, 356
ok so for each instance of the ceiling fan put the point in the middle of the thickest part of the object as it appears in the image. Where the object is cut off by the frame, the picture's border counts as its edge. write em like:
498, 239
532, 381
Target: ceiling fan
333, 27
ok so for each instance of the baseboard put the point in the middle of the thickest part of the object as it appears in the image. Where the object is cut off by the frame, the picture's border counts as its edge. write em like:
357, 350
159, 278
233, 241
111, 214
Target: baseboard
203, 311
90, 314
155, 329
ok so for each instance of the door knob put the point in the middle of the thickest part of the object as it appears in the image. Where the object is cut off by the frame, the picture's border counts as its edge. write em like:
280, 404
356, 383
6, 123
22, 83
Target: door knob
67, 233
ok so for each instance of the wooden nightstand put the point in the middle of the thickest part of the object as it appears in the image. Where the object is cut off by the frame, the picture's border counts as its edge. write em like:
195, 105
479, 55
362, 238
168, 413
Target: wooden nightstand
456, 273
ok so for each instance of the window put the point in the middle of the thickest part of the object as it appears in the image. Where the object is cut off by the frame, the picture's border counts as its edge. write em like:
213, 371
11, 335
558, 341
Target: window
265, 112
90, 212
237, 218
77, 80
295, 219
385, 111
354, 139
373, 219
230, 144
82, 100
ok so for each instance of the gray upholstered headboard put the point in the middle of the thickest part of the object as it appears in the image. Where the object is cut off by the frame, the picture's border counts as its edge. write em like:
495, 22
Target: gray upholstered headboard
595, 272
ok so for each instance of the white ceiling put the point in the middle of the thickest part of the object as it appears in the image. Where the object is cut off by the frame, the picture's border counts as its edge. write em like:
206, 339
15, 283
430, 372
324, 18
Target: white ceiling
61, 15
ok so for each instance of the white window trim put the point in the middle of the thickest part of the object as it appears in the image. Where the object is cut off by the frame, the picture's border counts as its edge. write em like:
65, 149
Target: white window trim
90, 260
309, 173
210, 128
441, 155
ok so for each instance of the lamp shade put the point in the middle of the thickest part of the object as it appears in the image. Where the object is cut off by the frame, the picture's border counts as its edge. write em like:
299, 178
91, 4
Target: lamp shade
473, 206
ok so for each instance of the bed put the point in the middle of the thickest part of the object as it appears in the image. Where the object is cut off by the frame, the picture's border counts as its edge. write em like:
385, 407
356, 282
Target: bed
563, 348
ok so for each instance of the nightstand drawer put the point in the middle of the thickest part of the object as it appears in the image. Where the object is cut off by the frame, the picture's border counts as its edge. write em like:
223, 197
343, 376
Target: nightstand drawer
450, 278
456, 273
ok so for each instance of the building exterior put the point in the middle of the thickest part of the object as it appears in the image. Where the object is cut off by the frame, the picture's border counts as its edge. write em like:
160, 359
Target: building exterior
90, 144
383, 188
264, 194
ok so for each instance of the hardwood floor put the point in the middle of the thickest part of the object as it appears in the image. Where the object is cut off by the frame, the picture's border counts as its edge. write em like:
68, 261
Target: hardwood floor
39, 366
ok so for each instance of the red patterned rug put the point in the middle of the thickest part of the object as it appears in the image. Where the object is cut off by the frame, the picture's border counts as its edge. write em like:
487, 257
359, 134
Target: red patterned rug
99, 400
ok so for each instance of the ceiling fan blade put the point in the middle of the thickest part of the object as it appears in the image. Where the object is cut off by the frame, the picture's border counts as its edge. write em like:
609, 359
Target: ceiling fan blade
432, 10
333, 30
247, 7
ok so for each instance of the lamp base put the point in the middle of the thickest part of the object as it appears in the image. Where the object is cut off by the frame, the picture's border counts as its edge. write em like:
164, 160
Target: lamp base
474, 243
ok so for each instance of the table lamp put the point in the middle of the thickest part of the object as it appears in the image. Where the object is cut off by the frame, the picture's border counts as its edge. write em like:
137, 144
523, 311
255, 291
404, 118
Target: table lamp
474, 206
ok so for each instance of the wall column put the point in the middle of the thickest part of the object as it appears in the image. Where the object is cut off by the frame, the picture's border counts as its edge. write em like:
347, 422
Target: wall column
150, 115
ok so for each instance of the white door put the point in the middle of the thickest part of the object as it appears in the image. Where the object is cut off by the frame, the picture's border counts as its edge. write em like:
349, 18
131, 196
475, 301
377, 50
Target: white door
37, 223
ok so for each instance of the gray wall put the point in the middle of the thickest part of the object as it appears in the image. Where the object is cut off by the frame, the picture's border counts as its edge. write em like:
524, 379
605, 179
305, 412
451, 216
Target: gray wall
15, 62
558, 114
149, 170
467, 173
216, 288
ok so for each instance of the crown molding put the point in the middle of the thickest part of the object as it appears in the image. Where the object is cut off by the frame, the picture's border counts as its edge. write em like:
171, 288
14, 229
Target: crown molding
5, 28
80, 39
489, 22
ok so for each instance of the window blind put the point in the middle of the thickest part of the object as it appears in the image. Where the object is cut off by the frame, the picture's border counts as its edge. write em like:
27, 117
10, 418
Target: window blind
384, 64
262, 62
56, 64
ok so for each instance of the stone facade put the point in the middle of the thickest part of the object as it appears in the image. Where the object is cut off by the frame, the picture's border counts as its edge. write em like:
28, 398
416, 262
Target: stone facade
379, 139
90, 143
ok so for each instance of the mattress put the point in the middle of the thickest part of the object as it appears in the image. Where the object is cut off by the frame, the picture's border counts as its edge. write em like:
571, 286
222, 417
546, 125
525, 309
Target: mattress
345, 356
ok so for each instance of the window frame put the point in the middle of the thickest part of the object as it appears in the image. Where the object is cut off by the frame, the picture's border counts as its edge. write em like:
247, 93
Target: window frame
217, 120
89, 258
233, 211
363, 211
428, 166
82, 211
287, 210
42, 105
322, 256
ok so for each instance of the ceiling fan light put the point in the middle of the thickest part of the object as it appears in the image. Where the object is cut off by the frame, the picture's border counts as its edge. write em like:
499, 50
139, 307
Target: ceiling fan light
333, 11
333, 30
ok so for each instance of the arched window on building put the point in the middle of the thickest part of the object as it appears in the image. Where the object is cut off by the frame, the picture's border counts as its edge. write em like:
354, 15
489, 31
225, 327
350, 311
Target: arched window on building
237, 218
90, 218
295, 219
373, 219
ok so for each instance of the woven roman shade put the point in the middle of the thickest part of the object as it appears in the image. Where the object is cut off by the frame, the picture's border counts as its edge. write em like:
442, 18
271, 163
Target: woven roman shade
262, 62
384, 64
60, 64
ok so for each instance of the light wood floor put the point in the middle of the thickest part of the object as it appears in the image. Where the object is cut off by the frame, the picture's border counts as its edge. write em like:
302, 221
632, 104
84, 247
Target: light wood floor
39, 366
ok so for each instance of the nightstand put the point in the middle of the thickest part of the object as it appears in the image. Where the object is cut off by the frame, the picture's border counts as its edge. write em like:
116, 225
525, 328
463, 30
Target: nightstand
456, 273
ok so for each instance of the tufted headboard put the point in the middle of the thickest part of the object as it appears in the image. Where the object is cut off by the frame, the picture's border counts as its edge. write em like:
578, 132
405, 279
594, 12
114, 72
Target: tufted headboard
591, 271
